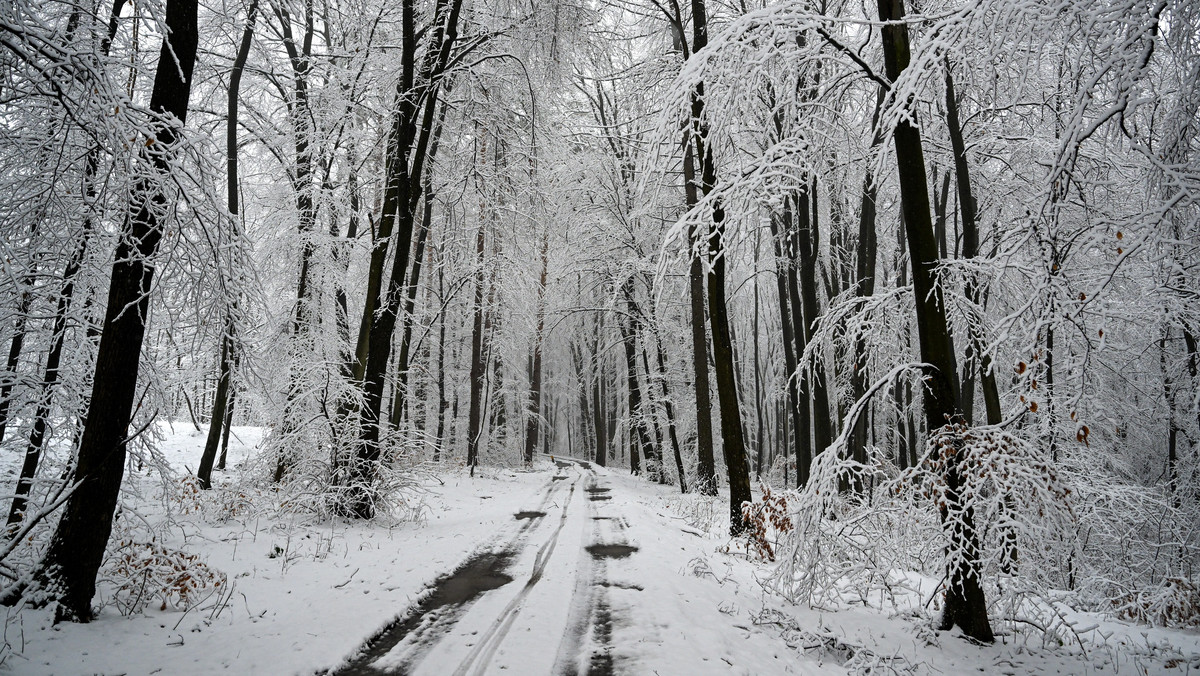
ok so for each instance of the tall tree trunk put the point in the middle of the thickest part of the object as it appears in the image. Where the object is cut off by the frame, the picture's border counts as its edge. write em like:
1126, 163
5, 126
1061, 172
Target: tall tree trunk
732, 442
400, 398
533, 423
779, 234
599, 403
302, 177
865, 263
228, 423
475, 416
807, 241
803, 431
67, 572
439, 435
639, 437
706, 471
217, 423
965, 605
760, 444
37, 435
418, 96
414, 279
976, 349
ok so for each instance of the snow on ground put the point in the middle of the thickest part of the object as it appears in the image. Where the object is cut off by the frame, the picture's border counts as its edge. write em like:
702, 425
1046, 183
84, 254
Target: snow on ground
562, 570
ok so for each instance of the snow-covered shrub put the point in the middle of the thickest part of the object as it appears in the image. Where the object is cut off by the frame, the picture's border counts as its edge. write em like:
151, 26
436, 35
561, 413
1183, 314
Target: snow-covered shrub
1047, 533
861, 546
140, 573
1175, 602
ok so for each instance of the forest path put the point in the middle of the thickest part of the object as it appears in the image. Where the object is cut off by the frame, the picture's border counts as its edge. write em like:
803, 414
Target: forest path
567, 590
506, 605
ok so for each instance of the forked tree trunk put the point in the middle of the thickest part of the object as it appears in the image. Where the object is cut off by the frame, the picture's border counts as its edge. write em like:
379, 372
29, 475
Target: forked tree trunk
218, 420
976, 349
733, 444
418, 97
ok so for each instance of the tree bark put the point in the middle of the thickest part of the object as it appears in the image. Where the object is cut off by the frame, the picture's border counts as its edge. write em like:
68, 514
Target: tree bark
779, 234
639, 437
965, 605
976, 349
413, 126
808, 243
533, 423
733, 443
217, 421
475, 414
865, 280
67, 572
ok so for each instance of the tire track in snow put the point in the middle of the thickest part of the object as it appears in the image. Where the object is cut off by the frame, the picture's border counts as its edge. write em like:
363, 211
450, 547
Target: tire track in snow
591, 617
494, 636
447, 598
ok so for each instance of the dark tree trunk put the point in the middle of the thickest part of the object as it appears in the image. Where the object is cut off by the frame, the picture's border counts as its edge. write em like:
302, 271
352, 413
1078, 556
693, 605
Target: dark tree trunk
807, 240
965, 606
37, 435
706, 471
803, 430
475, 415
732, 442
599, 404
439, 435
302, 184
639, 437
1193, 360
400, 398
975, 350
533, 424
414, 279
865, 263
779, 234
418, 95
228, 425
760, 444
866, 288
67, 572
217, 421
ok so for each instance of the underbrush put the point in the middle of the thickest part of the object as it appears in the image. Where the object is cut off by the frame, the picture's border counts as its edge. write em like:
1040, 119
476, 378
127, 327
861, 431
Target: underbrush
1053, 539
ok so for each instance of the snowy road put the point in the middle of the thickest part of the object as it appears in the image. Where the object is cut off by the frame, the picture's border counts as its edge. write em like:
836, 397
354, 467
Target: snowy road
537, 598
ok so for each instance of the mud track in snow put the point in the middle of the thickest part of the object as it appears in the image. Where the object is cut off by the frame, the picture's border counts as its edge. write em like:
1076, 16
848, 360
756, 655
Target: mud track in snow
484, 615
449, 597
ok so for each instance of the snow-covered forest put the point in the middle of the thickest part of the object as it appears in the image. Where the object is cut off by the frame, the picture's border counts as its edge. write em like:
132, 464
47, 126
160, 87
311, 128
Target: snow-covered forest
600, 336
